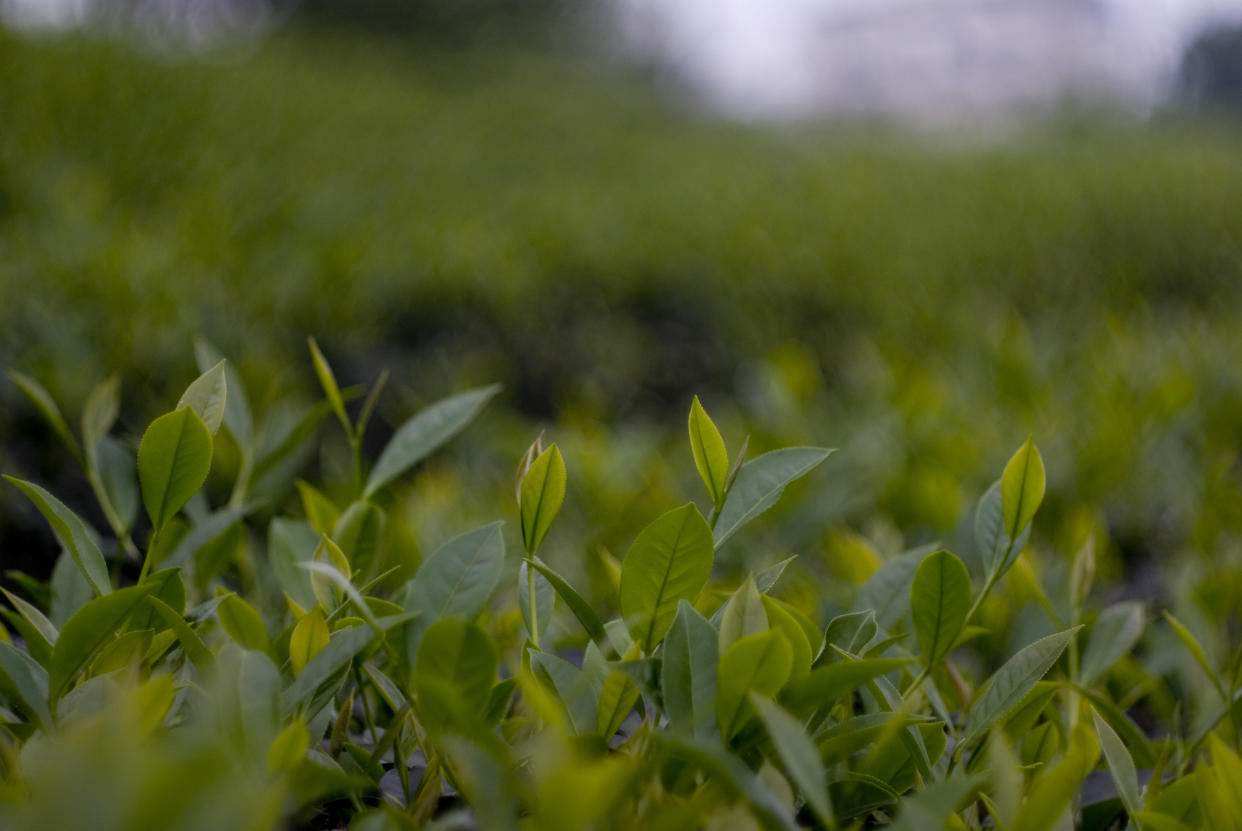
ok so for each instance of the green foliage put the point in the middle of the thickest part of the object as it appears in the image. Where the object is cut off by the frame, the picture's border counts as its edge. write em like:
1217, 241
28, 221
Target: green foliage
317, 669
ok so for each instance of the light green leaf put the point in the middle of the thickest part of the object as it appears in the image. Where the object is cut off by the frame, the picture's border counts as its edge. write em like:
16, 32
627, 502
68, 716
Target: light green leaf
939, 600
72, 534
359, 532
320, 512
1192, 645
289, 747
193, 645
327, 380
207, 396
997, 550
325, 672
759, 663
850, 632
243, 624
1116, 631
310, 635
783, 617
89, 629
798, 755
1120, 765
1011, 683
767, 578
932, 806
743, 615
103, 406
670, 560
710, 455
760, 483
543, 490
173, 461
1022, 488
426, 431
1052, 794
724, 767
459, 652
47, 408
688, 673
824, 685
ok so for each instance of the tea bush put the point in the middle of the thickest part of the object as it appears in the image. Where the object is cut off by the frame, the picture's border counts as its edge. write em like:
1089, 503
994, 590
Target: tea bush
216, 660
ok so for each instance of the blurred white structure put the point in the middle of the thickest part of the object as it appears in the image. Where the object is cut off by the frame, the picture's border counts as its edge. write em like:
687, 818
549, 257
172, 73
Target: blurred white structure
929, 59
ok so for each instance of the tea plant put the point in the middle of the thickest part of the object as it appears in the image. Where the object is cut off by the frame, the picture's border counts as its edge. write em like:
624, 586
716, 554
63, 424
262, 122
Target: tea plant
219, 666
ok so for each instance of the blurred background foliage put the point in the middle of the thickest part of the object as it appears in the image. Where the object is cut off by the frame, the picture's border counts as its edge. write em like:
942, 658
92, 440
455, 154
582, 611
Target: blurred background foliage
463, 202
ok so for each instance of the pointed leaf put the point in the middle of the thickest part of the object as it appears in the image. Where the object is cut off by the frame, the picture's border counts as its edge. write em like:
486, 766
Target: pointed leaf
1120, 765
1022, 488
193, 645
543, 490
459, 576
207, 396
798, 755
710, 456
743, 615
688, 673
669, 561
760, 483
173, 461
310, 635
824, 685
939, 599
46, 406
89, 629
759, 663
100, 413
1013, 681
331, 390
577, 604
426, 431
71, 532
1115, 633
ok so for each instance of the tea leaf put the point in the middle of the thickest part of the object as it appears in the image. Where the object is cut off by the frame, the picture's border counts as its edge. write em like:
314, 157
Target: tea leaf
1120, 765
824, 685
798, 754
939, 600
243, 624
331, 391
46, 406
1013, 681
89, 629
688, 673
760, 483
743, 615
710, 456
193, 645
24, 684
761, 663
1192, 645
426, 431
289, 747
100, 413
669, 561
1022, 488
459, 576
173, 461
459, 652
1115, 633
71, 532
207, 396
310, 636
543, 490
359, 532
237, 416
1053, 792
324, 672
